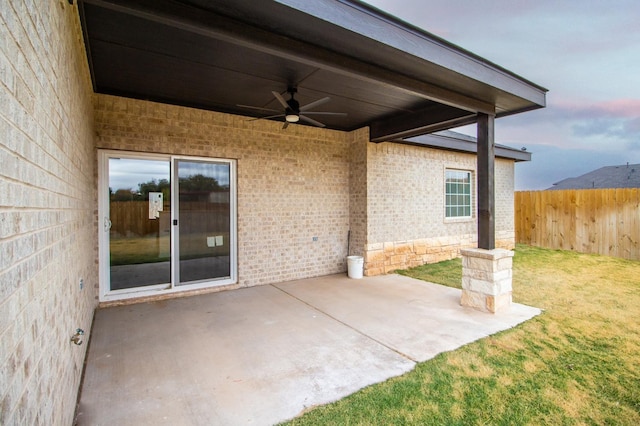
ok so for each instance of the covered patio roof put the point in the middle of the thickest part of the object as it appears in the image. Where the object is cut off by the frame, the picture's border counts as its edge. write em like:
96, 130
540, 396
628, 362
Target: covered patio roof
219, 55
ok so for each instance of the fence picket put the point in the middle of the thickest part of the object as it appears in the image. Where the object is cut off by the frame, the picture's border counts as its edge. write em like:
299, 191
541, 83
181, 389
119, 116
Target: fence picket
603, 221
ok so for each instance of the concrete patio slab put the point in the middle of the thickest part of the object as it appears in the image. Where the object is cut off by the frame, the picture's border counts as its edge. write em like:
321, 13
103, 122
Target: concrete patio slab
414, 318
264, 354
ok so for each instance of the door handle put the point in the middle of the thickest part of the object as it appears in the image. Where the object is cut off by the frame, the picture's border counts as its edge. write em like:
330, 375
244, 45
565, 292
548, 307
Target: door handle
107, 224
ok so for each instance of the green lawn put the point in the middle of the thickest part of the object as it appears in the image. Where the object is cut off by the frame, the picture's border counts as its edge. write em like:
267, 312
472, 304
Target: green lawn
577, 363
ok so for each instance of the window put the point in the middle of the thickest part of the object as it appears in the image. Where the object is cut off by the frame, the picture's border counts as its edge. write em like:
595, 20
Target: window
458, 194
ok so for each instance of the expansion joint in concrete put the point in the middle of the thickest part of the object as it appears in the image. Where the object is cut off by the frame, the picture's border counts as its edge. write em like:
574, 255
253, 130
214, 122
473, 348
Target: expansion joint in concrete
345, 324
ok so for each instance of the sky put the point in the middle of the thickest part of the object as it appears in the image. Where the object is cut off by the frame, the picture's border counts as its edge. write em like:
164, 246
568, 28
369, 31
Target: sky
585, 52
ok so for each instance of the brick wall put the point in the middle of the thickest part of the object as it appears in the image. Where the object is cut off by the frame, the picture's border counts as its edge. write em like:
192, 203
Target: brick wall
405, 211
304, 182
47, 208
293, 184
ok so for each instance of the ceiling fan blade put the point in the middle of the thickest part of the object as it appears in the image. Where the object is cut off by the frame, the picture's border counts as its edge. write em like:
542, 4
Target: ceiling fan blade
258, 108
266, 118
340, 114
280, 99
311, 121
315, 104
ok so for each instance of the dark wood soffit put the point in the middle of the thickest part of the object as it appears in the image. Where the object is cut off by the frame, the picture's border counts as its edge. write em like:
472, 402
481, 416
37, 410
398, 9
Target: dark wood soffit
232, 31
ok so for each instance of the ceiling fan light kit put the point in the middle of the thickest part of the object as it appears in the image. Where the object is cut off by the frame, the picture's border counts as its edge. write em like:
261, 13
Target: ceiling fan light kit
292, 118
293, 112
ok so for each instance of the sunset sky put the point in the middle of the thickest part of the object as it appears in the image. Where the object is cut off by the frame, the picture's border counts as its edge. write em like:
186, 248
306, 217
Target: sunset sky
587, 53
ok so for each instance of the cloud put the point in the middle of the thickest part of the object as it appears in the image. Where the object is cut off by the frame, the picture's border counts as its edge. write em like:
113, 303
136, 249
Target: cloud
633, 125
599, 126
618, 119
615, 107
614, 128
570, 139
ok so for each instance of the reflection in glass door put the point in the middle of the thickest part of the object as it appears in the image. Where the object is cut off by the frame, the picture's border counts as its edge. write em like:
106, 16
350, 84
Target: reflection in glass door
139, 223
203, 217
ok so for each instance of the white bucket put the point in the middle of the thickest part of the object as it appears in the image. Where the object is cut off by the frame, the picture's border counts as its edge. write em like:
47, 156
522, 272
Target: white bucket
355, 265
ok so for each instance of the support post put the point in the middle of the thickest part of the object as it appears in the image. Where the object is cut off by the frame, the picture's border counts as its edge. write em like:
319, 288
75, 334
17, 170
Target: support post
486, 271
487, 279
486, 185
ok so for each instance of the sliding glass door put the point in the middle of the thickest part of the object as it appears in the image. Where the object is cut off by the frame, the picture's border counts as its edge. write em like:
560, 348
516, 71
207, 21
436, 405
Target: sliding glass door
139, 223
203, 214
168, 223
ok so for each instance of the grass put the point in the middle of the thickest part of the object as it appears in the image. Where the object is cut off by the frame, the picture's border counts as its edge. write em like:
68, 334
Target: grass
576, 364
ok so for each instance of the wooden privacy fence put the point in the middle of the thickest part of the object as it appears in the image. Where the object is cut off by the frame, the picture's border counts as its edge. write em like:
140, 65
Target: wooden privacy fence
602, 221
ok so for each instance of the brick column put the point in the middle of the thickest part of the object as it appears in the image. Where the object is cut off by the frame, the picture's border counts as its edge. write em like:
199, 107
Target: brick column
486, 279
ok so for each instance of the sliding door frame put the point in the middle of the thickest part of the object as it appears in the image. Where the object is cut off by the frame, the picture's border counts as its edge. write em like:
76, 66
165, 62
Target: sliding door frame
105, 292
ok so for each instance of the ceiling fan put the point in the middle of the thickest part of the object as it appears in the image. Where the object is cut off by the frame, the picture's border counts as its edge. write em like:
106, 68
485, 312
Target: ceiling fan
293, 112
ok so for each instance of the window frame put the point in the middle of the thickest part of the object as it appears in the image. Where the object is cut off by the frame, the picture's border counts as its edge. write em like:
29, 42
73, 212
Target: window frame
460, 201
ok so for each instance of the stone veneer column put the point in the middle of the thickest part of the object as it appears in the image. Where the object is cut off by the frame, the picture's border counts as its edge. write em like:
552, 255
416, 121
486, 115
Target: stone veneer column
486, 279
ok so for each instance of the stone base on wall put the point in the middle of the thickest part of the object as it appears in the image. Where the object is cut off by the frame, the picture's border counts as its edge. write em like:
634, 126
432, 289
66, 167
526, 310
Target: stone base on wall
486, 279
384, 258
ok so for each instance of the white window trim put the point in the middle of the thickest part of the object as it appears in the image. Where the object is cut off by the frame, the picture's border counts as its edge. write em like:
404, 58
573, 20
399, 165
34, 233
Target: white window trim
472, 191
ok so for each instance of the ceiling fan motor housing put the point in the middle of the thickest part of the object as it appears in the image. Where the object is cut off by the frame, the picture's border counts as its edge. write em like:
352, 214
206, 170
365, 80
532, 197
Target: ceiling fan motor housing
292, 112
294, 105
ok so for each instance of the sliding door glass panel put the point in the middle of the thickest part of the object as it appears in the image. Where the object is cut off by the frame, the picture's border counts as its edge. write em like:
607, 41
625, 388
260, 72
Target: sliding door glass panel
204, 200
140, 218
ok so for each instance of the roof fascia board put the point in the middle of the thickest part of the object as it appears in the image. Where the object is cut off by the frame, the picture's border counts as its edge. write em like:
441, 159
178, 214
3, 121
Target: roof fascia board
465, 145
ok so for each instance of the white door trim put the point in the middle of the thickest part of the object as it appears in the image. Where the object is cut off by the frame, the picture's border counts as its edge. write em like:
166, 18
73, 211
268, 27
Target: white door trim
105, 294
